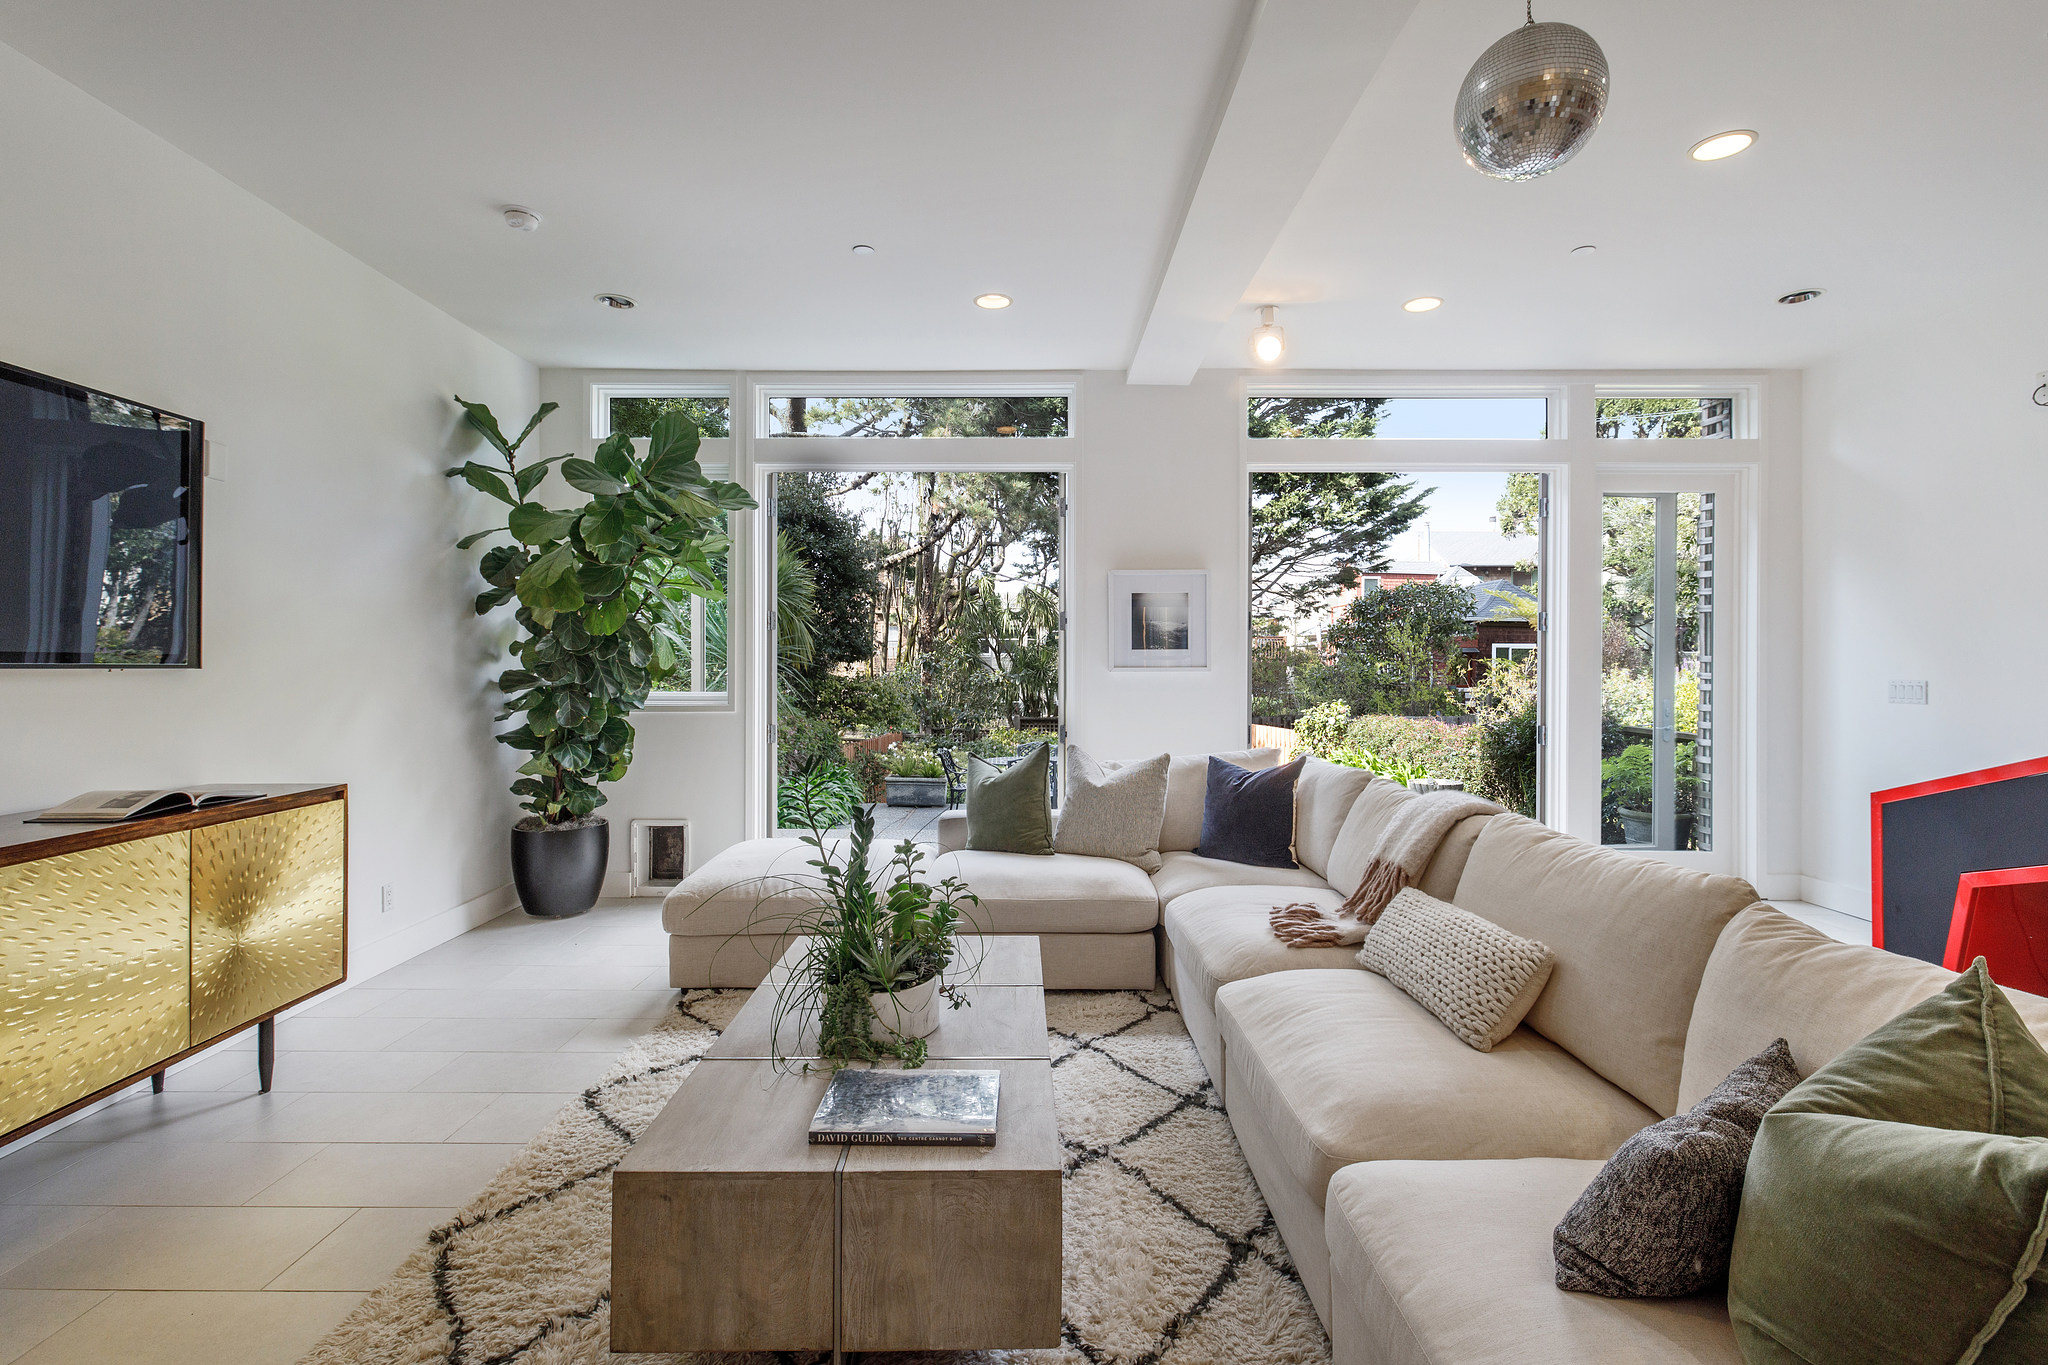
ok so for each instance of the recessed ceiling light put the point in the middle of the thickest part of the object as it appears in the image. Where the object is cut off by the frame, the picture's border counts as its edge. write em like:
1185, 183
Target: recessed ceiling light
991, 300
1423, 304
619, 301
521, 219
1587, 250
863, 250
1722, 145
1801, 296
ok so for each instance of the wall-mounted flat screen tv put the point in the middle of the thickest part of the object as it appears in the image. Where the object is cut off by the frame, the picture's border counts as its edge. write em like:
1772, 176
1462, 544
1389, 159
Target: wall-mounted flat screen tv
99, 529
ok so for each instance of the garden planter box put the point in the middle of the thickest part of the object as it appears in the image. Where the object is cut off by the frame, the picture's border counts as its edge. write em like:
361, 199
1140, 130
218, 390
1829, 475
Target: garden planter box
916, 791
1637, 827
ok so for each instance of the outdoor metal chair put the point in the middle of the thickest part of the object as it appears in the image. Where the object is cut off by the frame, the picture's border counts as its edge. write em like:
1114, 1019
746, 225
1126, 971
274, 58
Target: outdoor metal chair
956, 785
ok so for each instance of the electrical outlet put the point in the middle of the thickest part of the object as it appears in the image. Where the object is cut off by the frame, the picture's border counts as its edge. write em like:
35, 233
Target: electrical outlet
1909, 693
387, 895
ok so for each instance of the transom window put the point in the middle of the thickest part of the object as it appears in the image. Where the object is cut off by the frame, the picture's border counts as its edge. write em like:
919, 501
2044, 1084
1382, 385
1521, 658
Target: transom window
1664, 418
935, 416
1344, 417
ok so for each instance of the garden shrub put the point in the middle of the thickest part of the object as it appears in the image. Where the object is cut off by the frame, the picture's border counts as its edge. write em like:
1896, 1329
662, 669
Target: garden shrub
805, 741
912, 760
864, 703
821, 797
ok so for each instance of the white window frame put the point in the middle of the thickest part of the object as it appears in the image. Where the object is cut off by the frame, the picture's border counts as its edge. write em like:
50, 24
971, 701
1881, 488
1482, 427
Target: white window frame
1743, 426
1736, 806
1515, 649
766, 456
1582, 468
717, 456
839, 449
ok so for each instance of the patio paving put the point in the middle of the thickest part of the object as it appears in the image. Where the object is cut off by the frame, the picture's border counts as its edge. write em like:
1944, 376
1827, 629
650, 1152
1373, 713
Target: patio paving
894, 824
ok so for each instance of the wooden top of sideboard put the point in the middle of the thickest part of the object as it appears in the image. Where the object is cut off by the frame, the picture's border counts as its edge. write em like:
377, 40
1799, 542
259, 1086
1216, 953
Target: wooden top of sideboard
23, 842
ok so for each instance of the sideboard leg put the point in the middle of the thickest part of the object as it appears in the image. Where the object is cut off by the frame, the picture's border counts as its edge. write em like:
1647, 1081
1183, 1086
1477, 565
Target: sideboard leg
266, 1050
156, 1083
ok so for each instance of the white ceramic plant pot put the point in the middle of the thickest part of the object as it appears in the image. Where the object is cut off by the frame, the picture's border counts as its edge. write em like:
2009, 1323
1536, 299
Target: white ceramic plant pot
911, 1013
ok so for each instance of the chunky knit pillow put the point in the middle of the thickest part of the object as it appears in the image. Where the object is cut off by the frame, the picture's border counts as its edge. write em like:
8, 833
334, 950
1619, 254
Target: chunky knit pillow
1467, 971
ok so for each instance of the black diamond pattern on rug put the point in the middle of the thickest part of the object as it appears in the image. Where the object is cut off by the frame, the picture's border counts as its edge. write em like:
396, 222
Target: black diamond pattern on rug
1171, 1257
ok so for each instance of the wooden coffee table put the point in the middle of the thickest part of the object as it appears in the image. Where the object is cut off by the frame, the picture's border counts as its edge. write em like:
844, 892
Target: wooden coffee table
731, 1232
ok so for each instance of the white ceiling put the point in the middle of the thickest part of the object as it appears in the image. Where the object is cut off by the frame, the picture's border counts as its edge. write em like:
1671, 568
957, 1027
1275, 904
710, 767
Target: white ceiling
718, 160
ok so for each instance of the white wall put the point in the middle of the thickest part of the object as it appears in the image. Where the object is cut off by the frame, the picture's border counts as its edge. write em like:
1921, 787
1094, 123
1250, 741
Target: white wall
1926, 480
338, 645
1159, 485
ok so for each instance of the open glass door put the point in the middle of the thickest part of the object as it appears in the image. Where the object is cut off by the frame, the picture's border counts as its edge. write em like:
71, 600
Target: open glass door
919, 620
1398, 623
1657, 788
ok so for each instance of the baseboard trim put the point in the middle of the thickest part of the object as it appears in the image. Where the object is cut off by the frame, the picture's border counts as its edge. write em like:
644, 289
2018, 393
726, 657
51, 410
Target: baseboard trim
1778, 886
368, 959
1850, 900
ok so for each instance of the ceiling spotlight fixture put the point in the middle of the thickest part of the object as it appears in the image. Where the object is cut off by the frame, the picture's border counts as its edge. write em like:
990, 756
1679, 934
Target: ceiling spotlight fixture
1269, 338
1587, 250
1531, 100
1723, 145
863, 250
1801, 296
618, 301
1424, 304
521, 219
991, 300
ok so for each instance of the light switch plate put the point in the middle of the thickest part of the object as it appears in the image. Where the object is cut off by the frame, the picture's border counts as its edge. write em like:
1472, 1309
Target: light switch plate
1912, 693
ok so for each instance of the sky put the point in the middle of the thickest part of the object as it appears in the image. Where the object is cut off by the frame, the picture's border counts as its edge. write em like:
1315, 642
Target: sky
1463, 501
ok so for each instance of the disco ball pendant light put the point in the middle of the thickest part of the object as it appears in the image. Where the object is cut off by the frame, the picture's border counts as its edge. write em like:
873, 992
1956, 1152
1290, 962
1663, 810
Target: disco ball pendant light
1531, 100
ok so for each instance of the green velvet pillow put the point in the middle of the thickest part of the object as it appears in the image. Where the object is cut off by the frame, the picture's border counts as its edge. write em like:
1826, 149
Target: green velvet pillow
1896, 1203
1009, 810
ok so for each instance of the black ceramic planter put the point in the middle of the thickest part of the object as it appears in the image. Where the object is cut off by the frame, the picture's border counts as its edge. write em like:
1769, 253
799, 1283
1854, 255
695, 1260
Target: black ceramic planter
560, 872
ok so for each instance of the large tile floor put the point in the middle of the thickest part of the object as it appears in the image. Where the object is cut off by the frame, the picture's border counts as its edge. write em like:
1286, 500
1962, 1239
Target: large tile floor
212, 1224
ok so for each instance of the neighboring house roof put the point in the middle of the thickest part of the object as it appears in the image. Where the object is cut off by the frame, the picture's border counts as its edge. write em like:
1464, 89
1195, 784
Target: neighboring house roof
1495, 601
1432, 567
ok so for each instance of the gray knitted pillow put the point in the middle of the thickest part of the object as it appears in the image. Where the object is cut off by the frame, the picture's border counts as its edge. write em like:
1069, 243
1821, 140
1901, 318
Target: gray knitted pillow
1659, 1219
1467, 971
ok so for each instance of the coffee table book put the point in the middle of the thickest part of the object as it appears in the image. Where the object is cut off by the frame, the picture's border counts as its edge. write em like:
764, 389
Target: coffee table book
936, 1108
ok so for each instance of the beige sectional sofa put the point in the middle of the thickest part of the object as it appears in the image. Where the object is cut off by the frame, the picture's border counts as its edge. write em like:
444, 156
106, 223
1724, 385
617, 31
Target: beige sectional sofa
1414, 1180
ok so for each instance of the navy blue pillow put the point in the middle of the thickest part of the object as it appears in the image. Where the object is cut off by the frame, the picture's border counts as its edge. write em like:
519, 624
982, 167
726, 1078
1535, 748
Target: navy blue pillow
1248, 816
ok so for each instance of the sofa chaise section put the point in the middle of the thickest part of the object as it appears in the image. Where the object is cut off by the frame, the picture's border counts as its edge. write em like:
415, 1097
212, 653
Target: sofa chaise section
1327, 1068
1449, 1263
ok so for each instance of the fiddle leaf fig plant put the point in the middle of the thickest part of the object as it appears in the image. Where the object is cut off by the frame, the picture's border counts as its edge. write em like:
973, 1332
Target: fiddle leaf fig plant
604, 593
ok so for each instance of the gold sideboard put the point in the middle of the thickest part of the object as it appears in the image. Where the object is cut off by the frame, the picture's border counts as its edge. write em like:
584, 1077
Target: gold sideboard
126, 947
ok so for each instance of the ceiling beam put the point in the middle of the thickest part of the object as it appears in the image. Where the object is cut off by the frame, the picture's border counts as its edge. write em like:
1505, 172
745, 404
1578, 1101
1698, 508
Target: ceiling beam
1304, 66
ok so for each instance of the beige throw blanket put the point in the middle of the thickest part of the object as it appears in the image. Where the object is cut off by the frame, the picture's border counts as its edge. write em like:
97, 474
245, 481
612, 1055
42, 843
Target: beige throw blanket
1406, 845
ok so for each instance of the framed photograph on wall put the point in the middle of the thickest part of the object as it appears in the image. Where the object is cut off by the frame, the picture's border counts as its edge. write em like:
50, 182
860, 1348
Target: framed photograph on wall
1159, 620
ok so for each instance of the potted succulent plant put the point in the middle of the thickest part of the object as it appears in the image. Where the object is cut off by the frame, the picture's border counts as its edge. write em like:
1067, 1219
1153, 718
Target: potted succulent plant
604, 591
876, 950
913, 776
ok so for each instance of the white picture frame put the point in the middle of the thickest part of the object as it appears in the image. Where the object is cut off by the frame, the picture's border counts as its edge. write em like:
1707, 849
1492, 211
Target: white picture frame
1159, 619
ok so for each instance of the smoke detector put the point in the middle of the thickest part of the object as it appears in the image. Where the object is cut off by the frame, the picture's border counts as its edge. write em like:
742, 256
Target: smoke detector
521, 219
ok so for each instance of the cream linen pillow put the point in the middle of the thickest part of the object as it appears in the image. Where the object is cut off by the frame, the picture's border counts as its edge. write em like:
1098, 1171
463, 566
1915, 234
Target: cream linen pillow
1113, 813
1469, 972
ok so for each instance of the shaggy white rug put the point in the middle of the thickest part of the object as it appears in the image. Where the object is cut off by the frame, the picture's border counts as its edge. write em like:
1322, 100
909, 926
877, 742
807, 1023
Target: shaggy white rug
1170, 1254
